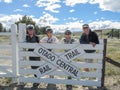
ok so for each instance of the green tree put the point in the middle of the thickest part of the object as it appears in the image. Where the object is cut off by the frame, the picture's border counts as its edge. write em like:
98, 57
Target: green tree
28, 20
42, 30
1, 27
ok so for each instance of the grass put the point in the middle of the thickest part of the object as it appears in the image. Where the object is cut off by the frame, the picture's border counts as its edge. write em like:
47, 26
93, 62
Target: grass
4, 38
113, 52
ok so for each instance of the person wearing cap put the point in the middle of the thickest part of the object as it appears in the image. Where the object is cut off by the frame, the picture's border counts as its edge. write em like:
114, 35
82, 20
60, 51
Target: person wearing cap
51, 39
68, 40
88, 37
32, 38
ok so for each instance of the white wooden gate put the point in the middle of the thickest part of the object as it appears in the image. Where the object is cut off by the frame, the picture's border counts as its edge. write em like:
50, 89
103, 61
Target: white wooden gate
59, 63
8, 54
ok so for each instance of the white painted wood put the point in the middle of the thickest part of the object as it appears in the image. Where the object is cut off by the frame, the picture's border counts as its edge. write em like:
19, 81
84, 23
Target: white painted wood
21, 38
28, 63
5, 46
6, 75
5, 33
22, 32
77, 64
101, 41
5, 70
61, 46
60, 73
5, 57
87, 65
84, 56
5, 67
14, 49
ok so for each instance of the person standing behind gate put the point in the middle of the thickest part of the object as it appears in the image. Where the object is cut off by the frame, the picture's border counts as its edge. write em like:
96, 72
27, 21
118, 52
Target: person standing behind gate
88, 37
32, 38
51, 40
68, 40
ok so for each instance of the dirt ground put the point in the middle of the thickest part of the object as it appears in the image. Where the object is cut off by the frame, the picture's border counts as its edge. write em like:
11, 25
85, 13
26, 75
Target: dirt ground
18, 87
111, 83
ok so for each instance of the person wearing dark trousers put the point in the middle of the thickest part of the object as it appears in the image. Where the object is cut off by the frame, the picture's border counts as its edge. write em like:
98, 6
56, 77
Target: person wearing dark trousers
68, 40
32, 38
88, 37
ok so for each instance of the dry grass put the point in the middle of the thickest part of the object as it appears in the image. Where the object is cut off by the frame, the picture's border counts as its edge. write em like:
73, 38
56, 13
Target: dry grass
113, 52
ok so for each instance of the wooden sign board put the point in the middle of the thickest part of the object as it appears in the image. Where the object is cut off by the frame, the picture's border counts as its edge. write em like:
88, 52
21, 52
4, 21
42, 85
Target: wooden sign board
58, 61
45, 69
73, 53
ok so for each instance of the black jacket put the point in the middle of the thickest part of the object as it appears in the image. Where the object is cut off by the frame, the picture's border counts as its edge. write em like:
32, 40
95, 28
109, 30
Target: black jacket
92, 37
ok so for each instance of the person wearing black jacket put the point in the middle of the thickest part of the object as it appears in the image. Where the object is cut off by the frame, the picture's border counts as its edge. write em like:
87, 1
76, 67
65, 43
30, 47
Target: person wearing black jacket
32, 38
88, 37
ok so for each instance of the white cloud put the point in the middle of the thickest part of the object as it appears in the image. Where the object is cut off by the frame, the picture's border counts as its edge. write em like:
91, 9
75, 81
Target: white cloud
26, 5
72, 18
102, 18
7, 20
72, 10
18, 10
95, 25
110, 5
74, 2
47, 19
44, 20
6, 1
104, 24
53, 8
73, 26
50, 5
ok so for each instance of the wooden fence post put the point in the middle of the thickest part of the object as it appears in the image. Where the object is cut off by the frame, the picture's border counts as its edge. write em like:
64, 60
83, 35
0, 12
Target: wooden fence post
14, 49
21, 39
103, 69
22, 32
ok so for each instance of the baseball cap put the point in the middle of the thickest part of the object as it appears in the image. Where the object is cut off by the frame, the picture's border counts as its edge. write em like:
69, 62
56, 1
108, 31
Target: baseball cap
49, 30
85, 25
30, 27
67, 32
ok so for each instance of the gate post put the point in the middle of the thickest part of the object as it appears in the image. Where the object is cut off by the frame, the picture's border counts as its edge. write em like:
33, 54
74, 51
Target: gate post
14, 50
21, 39
22, 32
103, 62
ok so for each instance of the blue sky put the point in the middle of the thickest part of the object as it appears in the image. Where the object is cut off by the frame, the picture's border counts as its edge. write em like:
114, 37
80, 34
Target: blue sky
62, 14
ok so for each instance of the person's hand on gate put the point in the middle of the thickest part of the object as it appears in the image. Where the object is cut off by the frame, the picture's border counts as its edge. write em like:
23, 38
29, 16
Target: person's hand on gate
93, 44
